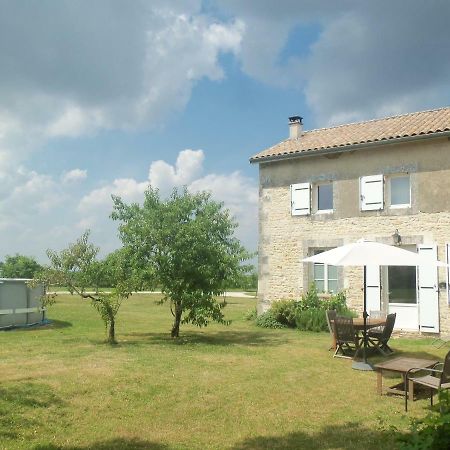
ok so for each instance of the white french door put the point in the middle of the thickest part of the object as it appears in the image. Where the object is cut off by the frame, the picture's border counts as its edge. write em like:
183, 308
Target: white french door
401, 294
412, 293
428, 290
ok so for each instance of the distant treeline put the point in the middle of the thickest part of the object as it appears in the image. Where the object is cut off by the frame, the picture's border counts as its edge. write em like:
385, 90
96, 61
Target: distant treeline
21, 266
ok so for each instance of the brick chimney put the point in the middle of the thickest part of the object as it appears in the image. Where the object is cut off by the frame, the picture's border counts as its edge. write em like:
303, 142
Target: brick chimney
295, 127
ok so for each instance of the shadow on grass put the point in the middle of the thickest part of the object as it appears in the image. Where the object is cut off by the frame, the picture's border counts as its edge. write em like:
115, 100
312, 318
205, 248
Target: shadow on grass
56, 324
419, 352
111, 444
346, 436
416, 353
60, 324
219, 338
48, 325
16, 400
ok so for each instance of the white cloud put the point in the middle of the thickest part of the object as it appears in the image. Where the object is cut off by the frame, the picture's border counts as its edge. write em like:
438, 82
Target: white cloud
363, 63
38, 193
100, 199
188, 166
74, 176
32, 211
239, 193
240, 196
235, 190
125, 68
74, 121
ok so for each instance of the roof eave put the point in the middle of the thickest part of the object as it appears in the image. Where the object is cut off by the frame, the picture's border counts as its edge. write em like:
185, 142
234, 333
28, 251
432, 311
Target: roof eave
348, 148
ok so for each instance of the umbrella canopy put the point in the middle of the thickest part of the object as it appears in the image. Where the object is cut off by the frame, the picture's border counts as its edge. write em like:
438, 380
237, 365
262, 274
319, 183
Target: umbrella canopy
369, 253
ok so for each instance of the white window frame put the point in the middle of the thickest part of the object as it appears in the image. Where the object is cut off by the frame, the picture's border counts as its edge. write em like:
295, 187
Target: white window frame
325, 274
326, 278
399, 205
316, 193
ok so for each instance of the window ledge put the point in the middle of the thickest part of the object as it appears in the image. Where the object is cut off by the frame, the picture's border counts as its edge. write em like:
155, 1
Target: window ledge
404, 206
325, 211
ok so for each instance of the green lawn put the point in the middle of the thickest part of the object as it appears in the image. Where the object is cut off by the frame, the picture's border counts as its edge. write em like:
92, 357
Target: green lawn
235, 387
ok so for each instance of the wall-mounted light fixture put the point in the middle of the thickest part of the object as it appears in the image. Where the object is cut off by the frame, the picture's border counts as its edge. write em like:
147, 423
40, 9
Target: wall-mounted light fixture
397, 238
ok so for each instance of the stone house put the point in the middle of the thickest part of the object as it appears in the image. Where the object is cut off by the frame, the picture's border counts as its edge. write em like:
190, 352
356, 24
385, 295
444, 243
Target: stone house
387, 180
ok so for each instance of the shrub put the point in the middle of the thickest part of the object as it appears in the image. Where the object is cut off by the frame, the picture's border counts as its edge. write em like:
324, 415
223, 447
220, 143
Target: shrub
285, 312
433, 431
307, 314
336, 302
311, 320
268, 320
311, 299
310, 315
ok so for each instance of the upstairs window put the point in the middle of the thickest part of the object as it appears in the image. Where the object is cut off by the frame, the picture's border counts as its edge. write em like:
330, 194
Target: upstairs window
400, 188
325, 197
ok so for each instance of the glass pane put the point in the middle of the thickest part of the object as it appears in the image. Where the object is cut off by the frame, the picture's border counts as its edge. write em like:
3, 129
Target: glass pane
402, 284
320, 285
318, 272
332, 273
325, 196
332, 286
400, 194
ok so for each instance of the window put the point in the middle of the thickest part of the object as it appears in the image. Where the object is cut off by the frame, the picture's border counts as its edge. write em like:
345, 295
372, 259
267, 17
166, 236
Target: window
400, 191
325, 277
325, 197
402, 284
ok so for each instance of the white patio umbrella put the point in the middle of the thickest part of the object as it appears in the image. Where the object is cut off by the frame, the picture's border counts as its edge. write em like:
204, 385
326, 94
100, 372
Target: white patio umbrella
368, 253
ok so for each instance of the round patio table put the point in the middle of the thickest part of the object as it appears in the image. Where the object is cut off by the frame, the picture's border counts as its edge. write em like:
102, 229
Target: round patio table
358, 323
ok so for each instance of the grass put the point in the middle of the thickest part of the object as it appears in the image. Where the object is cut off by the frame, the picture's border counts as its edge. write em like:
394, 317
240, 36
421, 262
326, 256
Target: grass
237, 387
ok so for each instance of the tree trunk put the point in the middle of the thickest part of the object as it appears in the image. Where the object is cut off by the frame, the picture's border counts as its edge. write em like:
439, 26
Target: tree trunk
112, 330
177, 320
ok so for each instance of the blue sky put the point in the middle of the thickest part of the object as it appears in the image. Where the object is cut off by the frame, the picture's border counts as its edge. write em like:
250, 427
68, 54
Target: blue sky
107, 97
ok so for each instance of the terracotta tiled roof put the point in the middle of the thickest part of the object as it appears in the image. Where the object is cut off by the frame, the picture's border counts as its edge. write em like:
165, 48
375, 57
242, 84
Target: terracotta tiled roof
379, 130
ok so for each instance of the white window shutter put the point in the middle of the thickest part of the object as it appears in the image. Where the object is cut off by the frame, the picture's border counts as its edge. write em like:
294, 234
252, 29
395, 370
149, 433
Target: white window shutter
372, 192
301, 199
428, 290
373, 288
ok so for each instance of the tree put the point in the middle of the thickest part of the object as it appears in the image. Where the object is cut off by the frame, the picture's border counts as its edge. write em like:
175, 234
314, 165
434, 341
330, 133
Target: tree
77, 268
186, 245
19, 266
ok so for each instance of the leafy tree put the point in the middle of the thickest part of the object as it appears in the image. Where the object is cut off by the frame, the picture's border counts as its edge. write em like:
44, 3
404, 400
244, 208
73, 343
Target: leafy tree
247, 281
19, 266
77, 268
108, 275
186, 245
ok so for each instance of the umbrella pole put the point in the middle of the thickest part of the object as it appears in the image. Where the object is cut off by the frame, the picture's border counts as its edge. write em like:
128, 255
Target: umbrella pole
364, 365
